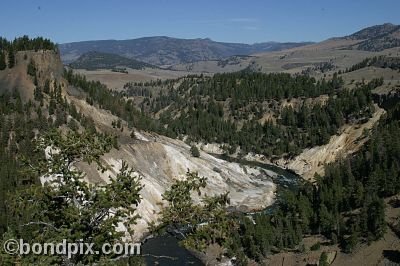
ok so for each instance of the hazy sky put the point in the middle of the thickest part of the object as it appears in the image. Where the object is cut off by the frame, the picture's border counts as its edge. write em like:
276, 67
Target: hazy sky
221, 20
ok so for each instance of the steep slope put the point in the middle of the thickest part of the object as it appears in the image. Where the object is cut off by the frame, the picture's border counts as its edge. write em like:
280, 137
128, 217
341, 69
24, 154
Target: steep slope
47, 63
169, 51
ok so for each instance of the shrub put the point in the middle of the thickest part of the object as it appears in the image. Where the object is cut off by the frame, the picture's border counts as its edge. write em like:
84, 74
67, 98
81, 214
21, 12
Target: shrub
195, 151
316, 246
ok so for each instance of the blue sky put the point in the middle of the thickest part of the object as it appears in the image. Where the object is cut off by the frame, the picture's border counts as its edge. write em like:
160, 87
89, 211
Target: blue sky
221, 20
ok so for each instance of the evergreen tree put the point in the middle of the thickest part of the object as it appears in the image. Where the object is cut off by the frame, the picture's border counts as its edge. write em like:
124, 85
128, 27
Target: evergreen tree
210, 222
3, 64
74, 210
323, 259
31, 70
195, 151
11, 58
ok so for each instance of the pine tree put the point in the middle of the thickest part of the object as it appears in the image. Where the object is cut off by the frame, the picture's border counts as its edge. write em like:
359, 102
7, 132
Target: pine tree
74, 209
31, 69
209, 222
3, 64
195, 151
323, 259
376, 219
11, 58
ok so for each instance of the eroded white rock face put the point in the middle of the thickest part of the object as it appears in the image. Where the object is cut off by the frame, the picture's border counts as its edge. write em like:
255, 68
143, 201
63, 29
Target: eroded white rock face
160, 160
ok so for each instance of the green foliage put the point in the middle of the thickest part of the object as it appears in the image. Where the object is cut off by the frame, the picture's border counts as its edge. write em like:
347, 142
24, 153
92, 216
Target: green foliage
66, 206
11, 58
316, 246
181, 209
305, 127
323, 259
21, 126
3, 64
16, 135
377, 61
209, 223
100, 95
24, 43
195, 151
245, 86
345, 205
31, 69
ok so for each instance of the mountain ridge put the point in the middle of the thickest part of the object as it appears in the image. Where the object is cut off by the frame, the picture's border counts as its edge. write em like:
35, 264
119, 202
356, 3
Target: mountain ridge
167, 51
163, 50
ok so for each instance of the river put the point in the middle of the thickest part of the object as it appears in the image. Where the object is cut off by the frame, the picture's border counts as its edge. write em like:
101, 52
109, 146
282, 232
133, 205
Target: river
165, 250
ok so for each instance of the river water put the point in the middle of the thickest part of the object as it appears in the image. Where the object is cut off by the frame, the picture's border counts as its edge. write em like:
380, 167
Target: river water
165, 250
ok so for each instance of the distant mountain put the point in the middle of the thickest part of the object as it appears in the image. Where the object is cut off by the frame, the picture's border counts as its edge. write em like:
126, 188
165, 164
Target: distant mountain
377, 38
98, 60
166, 51
169, 51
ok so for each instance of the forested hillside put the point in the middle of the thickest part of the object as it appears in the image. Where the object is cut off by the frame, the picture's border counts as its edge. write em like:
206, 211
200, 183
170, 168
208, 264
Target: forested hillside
30, 208
263, 113
346, 206
20, 124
